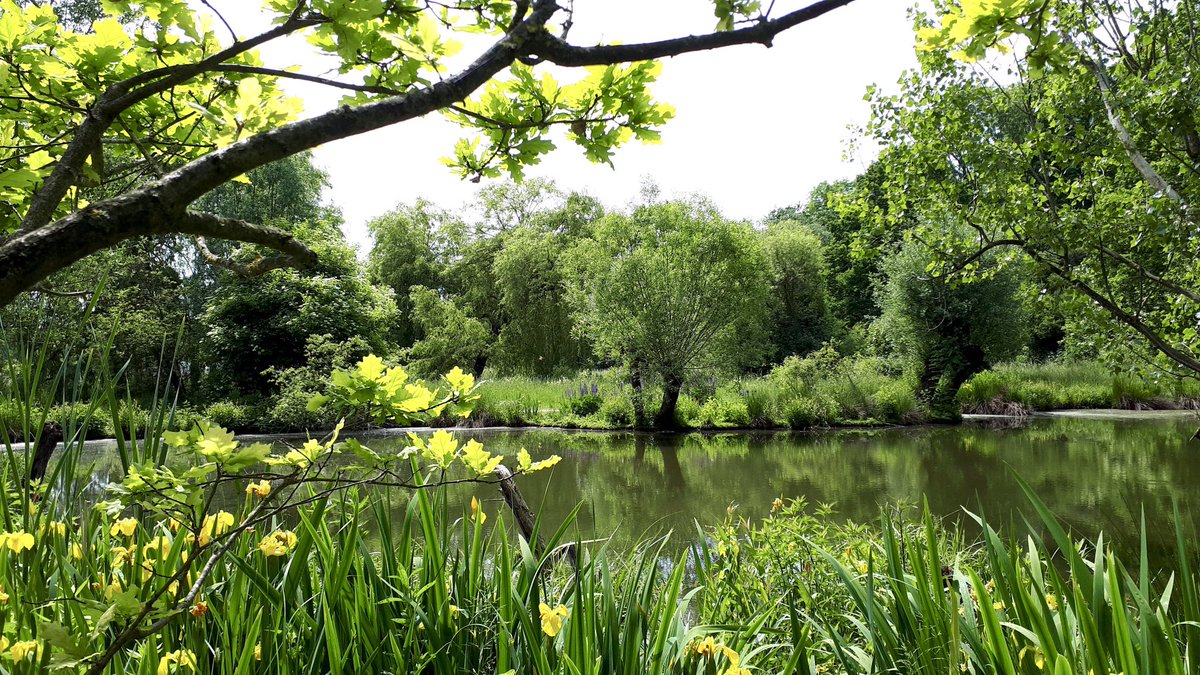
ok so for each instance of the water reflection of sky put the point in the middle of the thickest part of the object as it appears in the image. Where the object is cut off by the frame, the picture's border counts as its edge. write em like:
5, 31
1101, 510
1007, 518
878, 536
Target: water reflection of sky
1093, 472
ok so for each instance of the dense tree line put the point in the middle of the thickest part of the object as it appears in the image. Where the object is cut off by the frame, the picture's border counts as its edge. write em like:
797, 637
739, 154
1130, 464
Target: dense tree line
530, 280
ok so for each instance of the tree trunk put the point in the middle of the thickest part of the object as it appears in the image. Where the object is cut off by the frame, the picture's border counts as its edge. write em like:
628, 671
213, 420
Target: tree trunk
52, 434
944, 375
479, 365
672, 383
639, 401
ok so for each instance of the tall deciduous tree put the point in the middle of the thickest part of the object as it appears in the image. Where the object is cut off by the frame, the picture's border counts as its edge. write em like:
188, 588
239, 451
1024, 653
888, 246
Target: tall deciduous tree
257, 325
668, 289
538, 337
1087, 161
799, 311
405, 252
200, 110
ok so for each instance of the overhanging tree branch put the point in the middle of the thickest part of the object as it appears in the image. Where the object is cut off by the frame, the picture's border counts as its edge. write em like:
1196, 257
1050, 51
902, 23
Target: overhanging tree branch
295, 254
1144, 168
41, 248
119, 98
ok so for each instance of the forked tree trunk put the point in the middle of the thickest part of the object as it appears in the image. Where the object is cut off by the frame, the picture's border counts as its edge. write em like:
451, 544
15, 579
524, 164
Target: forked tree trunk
525, 517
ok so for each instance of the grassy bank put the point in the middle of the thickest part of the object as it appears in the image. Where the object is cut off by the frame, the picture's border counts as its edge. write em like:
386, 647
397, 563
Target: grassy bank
821, 391
817, 391
1020, 388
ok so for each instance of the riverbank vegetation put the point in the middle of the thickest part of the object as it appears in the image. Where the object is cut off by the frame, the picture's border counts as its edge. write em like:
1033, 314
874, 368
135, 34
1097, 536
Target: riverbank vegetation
214, 556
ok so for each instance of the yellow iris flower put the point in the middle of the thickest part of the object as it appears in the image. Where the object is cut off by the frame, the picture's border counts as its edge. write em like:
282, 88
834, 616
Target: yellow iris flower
17, 541
25, 648
260, 489
177, 661
278, 543
552, 619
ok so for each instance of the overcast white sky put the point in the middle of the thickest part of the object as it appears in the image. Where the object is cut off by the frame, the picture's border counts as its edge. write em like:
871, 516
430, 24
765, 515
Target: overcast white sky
755, 128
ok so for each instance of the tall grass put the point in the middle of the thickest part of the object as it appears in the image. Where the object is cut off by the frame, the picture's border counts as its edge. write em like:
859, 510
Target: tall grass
1057, 385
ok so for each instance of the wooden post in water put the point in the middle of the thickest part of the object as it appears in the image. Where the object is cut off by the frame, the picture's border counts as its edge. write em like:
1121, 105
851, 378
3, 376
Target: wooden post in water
52, 433
525, 516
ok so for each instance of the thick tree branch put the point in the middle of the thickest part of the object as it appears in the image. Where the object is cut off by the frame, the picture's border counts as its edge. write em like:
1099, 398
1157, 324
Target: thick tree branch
546, 47
203, 225
1147, 274
960, 265
160, 207
1119, 313
120, 97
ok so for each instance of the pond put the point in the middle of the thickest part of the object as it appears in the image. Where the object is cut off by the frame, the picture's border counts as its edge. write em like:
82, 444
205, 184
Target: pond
1095, 470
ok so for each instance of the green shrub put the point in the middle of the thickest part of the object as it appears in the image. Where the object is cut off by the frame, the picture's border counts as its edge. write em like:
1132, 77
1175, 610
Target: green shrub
75, 415
722, 411
1128, 392
803, 413
512, 413
760, 406
581, 404
490, 411
897, 403
1068, 384
687, 410
288, 412
617, 411
12, 416
131, 421
236, 417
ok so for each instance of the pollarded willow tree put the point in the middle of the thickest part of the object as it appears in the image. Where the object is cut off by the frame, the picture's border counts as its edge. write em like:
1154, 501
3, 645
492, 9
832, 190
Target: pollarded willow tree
1080, 150
669, 289
156, 107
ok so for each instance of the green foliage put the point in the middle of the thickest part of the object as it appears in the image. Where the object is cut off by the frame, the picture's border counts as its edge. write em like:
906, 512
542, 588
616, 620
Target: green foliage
233, 416
617, 411
603, 110
1080, 165
804, 413
948, 329
290, 190
854, 222
671, 287
263, 324
404, 253
538, 338
799, 316
449, 336
61, 69
384, 394
93, 421
722, 411
582, 404
760, 406
1018, 387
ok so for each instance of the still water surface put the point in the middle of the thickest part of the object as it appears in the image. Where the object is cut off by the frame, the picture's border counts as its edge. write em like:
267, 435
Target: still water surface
1095, 471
